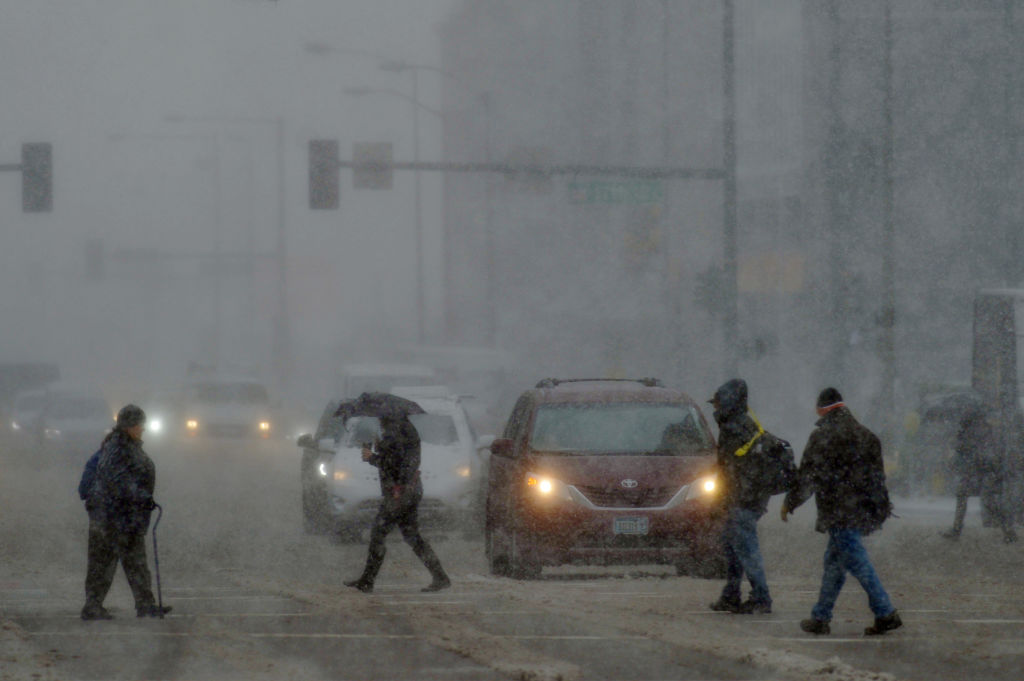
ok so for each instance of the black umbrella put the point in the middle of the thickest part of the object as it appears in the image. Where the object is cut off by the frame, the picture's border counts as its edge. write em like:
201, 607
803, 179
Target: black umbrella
953, 407
382, 405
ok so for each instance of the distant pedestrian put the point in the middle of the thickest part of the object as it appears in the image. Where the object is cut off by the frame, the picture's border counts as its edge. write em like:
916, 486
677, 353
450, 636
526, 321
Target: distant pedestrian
397, 458
745, 494
119, 499
842, 468
981, 472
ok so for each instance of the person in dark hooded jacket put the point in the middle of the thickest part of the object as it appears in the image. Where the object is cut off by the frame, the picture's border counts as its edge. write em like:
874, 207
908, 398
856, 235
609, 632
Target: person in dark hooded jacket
842, 467
120, 502
981, 472
397, 458
744, 497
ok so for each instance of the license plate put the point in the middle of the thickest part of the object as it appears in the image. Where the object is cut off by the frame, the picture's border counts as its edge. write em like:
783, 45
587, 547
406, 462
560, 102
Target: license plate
630, 525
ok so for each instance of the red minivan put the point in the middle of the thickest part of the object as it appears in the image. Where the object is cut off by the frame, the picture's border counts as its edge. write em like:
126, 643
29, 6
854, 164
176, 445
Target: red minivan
603, 471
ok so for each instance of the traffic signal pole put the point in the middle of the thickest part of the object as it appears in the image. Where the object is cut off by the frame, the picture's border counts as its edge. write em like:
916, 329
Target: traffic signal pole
36, 170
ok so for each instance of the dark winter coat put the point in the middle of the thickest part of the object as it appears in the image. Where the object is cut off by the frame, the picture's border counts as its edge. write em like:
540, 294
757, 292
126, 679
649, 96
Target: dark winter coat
976, 458
842, 467
740, 473
397, 458
124, 484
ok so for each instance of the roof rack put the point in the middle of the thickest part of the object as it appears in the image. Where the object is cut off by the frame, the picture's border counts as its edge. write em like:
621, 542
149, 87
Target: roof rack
554, 382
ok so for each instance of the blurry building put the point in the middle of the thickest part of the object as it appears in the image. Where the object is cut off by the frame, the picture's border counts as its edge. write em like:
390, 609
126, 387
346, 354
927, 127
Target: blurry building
607, 275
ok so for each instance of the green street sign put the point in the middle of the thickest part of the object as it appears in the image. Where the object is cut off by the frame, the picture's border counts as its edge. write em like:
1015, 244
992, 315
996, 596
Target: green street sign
633, 192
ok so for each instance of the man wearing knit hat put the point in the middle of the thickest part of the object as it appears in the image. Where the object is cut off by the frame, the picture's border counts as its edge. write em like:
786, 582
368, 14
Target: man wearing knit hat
120, 502
842, 468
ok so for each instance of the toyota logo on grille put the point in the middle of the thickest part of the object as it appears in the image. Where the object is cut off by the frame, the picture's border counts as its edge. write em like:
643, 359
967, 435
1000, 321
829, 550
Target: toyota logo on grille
629, 483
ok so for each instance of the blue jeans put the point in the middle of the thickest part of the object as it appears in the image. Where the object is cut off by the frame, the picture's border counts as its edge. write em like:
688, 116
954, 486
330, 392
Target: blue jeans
743, 554
845, 553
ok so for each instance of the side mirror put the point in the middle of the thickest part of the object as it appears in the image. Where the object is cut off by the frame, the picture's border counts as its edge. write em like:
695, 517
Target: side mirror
306, 441
502, 446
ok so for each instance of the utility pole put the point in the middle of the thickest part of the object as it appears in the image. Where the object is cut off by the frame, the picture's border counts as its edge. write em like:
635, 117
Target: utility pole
887, 343
730, 327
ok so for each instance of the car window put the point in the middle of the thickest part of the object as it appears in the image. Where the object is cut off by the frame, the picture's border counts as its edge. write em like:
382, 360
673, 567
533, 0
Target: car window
435, 429
30, 403
658, 429
231, 393
360, 430
517, 420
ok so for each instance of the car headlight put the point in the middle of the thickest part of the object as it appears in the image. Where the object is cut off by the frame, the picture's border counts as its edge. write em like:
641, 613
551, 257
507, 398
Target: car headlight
546, 487
264, 426
15, 426
51, 433
155, 425
322, 469
702, 488
340, 475
463, 471
192, 424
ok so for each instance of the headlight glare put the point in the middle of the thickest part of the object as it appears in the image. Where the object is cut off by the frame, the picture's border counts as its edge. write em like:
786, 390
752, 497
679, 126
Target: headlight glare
545, 487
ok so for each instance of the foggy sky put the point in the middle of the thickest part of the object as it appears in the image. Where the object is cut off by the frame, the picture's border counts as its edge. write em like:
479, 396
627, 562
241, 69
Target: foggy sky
98, 79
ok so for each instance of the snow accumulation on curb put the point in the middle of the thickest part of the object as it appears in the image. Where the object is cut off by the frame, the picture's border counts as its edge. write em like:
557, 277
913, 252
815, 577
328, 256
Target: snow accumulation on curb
802, 666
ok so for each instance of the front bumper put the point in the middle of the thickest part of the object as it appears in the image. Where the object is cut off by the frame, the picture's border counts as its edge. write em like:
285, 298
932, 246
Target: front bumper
617, 536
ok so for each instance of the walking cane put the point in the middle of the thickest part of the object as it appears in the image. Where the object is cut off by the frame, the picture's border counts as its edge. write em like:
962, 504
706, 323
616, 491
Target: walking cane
156, 559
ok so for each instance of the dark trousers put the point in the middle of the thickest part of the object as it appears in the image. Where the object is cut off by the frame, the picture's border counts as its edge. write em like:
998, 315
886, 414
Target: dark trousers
403, 513
107, 546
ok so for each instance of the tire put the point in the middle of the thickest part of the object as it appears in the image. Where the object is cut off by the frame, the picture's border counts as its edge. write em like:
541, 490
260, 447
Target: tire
521, 565
497, 561
315, 518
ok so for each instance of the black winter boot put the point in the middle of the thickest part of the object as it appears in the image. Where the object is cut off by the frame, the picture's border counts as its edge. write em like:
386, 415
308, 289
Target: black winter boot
884, 624
92, 611
362, 584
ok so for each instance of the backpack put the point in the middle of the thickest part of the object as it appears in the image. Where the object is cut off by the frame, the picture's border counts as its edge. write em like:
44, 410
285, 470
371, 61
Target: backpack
776, 464
89, 476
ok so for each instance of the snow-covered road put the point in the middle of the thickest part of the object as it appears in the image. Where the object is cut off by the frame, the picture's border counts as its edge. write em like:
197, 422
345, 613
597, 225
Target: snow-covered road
254, 598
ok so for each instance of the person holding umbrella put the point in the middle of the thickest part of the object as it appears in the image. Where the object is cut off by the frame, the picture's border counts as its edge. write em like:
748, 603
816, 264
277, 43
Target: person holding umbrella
396, 454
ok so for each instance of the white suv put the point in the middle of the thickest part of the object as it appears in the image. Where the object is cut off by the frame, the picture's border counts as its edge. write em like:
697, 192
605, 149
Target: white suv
449, 467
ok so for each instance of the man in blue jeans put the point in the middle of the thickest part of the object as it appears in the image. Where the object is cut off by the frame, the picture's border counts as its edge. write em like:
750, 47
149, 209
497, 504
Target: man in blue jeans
744, 496
842, 468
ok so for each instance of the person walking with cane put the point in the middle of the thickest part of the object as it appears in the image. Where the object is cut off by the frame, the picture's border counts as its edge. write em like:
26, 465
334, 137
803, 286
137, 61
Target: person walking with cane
120, 502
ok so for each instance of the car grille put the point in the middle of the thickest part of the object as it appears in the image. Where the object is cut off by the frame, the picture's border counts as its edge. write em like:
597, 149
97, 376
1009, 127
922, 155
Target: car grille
618, 497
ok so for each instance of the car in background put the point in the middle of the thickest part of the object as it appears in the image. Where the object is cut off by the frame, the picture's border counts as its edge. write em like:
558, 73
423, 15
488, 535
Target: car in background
74, 423
227, 407
26, 412
341, 492
601, 471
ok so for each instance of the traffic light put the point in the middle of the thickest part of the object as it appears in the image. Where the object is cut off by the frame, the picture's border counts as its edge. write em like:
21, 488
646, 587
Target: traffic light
37, 177
324, 190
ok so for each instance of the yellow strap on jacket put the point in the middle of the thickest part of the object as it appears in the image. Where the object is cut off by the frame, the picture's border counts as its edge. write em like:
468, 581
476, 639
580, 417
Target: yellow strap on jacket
760, 431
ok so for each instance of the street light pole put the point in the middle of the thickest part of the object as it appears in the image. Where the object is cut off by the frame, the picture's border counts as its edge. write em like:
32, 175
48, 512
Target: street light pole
420, 284
280, 341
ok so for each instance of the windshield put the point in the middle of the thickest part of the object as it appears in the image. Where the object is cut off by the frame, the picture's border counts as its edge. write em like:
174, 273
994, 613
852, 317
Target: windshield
80, 408
225, 393
661, 429
435, 429
30, 403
